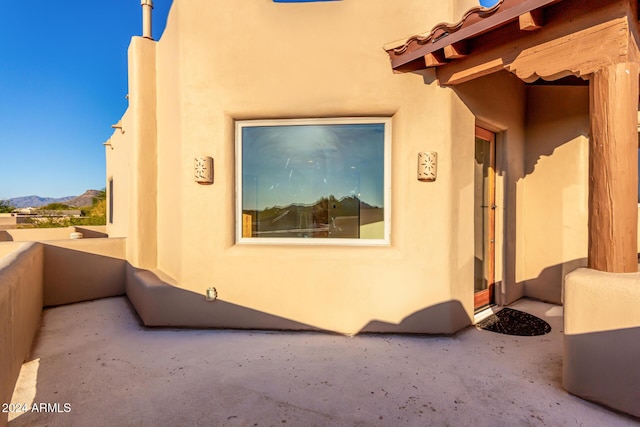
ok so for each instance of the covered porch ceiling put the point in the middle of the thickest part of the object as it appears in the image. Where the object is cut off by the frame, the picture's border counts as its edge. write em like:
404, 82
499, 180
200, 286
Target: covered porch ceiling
534, 39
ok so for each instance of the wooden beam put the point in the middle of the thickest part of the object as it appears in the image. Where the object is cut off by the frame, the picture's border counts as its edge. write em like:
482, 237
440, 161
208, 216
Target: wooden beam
599, 46
613, 169
456, 50
531, 21
546, 54
452, 76
418, 64
435, 59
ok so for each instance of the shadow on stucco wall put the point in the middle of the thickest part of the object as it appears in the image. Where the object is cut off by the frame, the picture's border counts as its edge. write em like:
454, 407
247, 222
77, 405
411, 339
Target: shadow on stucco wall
92, 232
599, 371
550, 282
72, 274
161, 304
448, 317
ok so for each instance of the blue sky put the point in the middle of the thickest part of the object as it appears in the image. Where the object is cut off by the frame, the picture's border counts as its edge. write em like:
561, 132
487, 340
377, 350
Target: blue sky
63, 81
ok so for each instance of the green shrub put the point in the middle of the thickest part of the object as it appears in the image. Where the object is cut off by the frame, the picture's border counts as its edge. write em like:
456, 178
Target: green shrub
6, 207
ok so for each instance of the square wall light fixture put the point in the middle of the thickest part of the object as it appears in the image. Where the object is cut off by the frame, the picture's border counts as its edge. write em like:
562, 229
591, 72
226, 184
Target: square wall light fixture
427, 166
203, 170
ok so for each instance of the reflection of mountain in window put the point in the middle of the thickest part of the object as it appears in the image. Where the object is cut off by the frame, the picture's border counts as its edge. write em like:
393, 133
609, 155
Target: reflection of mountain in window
313, 179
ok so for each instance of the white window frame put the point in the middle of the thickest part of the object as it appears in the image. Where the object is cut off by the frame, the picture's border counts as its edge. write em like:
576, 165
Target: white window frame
385, 241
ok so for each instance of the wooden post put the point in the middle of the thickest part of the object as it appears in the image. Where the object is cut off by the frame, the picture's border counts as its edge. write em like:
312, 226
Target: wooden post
613, 169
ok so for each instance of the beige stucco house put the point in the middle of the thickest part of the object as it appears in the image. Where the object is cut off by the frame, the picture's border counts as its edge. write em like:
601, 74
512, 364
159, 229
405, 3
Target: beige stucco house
355, 166
507, 210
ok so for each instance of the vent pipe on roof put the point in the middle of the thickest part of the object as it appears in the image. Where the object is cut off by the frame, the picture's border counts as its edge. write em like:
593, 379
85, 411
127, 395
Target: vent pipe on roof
147, 6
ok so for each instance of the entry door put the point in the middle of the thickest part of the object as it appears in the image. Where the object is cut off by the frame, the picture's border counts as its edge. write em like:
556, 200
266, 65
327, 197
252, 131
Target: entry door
484, 218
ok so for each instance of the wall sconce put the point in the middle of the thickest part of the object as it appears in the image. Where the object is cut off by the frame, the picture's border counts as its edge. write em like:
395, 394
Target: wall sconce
427, 166
203, 170
212, 294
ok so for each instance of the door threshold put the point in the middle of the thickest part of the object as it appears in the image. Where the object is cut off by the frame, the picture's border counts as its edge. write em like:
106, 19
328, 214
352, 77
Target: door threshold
485, 312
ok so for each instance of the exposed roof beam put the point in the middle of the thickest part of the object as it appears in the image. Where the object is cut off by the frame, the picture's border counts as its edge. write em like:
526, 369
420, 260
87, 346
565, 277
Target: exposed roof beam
532, 21
456, 50
539, 55
435, 59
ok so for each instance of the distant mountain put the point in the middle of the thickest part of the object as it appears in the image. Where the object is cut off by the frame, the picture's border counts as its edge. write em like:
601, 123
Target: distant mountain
35, 201
85, 199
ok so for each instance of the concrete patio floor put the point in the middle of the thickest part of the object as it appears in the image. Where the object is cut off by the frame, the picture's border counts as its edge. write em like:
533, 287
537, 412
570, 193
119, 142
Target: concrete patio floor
111, 371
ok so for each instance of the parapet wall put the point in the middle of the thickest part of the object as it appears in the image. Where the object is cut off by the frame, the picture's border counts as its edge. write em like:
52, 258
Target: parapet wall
45, 234
35, 274
83, 269
21, 279
8, 247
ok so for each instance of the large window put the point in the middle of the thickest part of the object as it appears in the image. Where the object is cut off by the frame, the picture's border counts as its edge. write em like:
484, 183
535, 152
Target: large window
313, 181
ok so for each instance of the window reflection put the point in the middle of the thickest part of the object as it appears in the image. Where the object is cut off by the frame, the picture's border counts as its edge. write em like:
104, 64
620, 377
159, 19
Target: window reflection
313, 180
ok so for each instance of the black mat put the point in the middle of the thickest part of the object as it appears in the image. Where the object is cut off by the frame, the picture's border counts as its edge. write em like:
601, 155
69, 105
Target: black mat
513, 322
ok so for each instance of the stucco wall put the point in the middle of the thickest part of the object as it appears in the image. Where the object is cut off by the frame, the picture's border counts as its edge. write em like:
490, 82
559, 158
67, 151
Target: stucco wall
171, 97
142, 207
602, 338
7, 247
187, 91
36, 234
556, 187
7, 221
81, 270
20, 306
461, 6
35, 274
44, 234
118, 167
219, 62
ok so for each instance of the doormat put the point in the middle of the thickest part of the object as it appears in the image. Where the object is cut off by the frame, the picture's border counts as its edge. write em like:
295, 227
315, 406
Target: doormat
514, 322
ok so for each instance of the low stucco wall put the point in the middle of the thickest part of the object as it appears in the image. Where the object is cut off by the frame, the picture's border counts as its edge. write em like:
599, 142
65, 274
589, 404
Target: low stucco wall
92, 231
36, 234
602, 338
83, 269
20, 307
35, 274
159, 302
7, 247
7, 221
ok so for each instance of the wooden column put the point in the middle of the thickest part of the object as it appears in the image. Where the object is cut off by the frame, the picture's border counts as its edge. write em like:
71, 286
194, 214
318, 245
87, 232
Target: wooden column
613, 169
